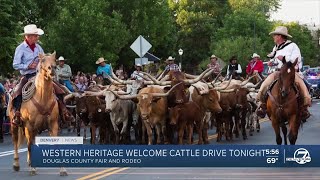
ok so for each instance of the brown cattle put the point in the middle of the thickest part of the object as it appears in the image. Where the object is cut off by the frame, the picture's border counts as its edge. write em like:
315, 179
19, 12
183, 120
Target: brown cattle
180, 94
90, 109
234, 104
224, 120
208, 101
184, 116
152, 105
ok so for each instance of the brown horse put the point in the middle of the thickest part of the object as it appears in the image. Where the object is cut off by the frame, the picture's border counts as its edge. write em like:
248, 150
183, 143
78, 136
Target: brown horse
283, 104
39, 113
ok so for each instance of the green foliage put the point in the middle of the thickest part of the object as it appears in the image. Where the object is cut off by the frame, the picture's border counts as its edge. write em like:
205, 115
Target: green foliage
150, 18
263, 6
11, 17
196, 21
239, 47
83, 32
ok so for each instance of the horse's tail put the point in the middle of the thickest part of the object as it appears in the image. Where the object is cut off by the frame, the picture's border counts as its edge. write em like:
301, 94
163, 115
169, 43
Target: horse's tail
21, 136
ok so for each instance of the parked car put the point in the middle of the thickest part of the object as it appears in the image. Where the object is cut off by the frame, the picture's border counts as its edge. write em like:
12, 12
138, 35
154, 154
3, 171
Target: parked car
314, 82
306, 67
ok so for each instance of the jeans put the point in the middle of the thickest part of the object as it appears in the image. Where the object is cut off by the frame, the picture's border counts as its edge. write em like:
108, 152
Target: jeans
68, 85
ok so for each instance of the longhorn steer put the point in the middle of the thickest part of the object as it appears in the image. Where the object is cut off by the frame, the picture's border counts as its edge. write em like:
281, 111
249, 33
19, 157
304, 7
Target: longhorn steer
152, 105
185, 116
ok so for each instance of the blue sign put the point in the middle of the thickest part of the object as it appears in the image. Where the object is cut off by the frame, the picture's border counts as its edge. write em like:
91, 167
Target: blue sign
175, 156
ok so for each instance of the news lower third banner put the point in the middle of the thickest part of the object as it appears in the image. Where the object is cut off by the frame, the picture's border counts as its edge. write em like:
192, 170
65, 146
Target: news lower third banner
175, 156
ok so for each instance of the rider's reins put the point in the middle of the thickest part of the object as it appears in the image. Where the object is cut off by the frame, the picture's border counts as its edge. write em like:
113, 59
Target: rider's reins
280, 106
43, 111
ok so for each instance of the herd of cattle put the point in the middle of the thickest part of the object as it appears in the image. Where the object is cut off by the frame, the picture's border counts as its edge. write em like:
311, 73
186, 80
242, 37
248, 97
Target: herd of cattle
172, 106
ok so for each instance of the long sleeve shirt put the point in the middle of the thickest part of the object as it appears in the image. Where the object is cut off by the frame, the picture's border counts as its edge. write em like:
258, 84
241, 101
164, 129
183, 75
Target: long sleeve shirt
216, 68
172, 67
291, 52
101, 70
63, 73
255, 65
137, 75
24, 56
238, 70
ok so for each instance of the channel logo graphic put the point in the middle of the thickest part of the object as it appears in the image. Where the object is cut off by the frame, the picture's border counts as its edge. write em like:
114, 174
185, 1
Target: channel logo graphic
300, 156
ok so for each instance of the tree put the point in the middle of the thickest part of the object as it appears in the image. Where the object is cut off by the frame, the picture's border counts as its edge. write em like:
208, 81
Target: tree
83, 32
263, 6
12, 15
240, 47
196, 22
150, 18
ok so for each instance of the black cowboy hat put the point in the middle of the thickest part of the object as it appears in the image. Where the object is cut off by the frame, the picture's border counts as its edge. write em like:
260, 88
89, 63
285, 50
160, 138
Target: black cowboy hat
233, 58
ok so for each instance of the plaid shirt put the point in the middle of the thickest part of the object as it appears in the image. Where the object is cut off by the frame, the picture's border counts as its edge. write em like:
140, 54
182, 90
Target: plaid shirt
216, 68
172, 67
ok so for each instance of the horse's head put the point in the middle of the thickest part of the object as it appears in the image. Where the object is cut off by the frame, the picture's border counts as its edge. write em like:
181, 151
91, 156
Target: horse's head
47, 65
286, 77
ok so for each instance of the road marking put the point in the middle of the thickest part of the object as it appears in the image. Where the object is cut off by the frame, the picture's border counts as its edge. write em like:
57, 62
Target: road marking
110, 173
8, 153
216, 135
97, 173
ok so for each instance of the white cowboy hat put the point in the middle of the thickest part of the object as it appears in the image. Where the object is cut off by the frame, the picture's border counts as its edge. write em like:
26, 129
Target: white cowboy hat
32, 29
170, 58
213, 56
138, 65
61, 58
281, 30
100, 60
255, 55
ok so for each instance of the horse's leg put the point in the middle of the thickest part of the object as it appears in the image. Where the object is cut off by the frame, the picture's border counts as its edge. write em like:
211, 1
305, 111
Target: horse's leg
15, 139
276, 128
284, 132
30, 134
294, 124
54, 129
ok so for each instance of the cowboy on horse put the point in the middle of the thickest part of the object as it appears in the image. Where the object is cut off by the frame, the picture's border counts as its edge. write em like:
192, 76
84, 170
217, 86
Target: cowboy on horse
291, 52
26, 60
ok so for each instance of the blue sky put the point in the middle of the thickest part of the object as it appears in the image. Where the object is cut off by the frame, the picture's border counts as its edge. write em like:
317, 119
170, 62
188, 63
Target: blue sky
303, 11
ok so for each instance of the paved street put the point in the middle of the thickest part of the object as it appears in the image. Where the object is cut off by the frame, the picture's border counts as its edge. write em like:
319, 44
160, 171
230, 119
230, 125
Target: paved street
308, 135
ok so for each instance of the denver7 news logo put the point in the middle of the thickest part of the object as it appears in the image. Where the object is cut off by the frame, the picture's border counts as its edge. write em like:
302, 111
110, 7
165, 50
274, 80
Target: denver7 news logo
301, 156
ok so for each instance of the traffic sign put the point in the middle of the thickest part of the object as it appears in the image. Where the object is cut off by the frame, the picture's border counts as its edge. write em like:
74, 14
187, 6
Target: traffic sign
140, 46
142, 61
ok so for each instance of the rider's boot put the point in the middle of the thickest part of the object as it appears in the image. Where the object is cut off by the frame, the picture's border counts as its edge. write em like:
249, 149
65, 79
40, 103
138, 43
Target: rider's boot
304, 113
17, 115
262, 110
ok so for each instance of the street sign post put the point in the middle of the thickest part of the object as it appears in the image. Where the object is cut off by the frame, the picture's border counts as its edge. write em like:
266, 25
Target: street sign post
140, 46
